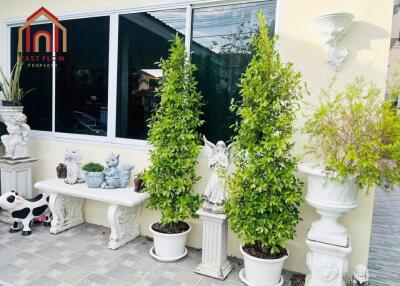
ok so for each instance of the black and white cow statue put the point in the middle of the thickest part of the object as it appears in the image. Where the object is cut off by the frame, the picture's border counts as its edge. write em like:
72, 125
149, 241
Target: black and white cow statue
23, 210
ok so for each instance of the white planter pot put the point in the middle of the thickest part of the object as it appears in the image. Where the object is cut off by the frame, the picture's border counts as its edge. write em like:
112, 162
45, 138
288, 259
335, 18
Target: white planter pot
7, 111
262, 272
331, 199
169, 247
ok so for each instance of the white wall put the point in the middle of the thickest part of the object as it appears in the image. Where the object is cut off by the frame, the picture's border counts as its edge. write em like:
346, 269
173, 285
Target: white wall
368, 43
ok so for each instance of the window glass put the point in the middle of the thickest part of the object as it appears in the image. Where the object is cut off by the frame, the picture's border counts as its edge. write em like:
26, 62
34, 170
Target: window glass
143, 41
36, 76
221, 51
82, 78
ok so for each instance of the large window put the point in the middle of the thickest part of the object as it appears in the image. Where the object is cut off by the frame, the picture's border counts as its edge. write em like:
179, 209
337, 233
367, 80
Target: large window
221, 44
105, 83
82, 78
37, 78
143, 41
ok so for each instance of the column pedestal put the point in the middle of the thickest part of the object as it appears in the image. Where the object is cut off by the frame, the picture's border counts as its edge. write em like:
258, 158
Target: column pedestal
16, 175
327, 264
215, 239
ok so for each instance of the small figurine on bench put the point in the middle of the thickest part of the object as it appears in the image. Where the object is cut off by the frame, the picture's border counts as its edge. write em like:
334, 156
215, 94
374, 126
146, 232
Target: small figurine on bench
22, 210
116, 177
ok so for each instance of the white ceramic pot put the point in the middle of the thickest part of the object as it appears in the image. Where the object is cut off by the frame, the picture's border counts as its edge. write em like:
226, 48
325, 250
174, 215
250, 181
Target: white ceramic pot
169, 247
331, 199
7, 111
262, 272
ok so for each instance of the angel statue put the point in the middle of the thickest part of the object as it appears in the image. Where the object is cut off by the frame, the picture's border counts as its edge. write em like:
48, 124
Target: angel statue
15, 142
218, 161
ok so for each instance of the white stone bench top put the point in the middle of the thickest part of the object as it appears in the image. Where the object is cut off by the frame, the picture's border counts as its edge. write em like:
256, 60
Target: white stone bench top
124, 197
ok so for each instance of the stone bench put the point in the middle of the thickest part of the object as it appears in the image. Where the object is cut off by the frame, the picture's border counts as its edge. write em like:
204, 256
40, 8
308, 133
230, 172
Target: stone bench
66, 202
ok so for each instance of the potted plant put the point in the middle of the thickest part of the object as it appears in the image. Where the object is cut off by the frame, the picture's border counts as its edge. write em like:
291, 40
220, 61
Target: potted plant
176, 141
263, 193
12, 92
94, 175
139, 183
61, 171
355, 135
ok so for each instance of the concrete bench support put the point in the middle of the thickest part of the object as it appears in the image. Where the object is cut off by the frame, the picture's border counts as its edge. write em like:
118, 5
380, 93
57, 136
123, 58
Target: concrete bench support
66, 205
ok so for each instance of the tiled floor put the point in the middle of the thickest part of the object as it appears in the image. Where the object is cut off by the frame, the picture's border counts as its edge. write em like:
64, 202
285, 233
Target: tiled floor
79, 256
384, 253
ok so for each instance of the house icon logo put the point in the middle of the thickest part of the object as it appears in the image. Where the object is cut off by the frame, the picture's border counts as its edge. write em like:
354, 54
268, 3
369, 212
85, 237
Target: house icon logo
32, 42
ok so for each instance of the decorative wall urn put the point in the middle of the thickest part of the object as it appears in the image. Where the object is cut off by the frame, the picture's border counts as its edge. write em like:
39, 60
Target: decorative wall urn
330, 29
331, 199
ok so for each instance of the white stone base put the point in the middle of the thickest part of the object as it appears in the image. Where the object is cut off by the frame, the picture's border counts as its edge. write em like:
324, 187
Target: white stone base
215, 238
16, 175
327, 264
124, 223
5, 217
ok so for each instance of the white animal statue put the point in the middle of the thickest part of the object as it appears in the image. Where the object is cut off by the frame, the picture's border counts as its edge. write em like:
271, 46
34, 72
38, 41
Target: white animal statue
22, 210
360, 275
73, 159
15, 142
218, 162
116, 177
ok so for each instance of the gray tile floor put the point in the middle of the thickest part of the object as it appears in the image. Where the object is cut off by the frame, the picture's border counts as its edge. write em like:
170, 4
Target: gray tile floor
384, 253
79, 256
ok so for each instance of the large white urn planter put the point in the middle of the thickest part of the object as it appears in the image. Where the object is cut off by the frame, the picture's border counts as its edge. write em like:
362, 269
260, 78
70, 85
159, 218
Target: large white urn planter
262, 272
331, 199
6, 112
169, 247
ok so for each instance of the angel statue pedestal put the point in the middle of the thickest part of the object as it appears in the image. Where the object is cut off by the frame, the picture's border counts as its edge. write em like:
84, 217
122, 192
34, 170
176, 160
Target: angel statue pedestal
215, 224
214, 262
16, 175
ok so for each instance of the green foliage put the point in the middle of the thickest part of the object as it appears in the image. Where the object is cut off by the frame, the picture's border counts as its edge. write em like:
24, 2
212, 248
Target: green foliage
11, 89
173, 134
264, 194
356, 133
93, 167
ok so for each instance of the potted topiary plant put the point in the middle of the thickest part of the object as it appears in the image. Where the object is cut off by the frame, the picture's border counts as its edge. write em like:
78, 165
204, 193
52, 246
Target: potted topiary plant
356, 136
173, 134
61, 170
263, 193
94, 175
12, 92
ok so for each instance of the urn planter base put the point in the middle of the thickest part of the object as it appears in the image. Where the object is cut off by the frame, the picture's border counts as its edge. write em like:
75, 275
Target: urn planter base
327, 264
214, 262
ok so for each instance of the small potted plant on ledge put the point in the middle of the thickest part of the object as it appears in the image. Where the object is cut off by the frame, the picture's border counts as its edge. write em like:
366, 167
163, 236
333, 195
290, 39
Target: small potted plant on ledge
12, 92
173, 133
263, 193
355, 135
61, 170
94, 175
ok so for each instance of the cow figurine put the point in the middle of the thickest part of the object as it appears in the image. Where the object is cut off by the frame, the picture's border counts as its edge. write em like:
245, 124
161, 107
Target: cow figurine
22, 210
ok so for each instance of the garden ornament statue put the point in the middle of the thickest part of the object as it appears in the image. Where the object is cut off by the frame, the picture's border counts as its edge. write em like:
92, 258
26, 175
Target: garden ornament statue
73, 159
15, 142
24, 211
218, 162
360, 275
116, 177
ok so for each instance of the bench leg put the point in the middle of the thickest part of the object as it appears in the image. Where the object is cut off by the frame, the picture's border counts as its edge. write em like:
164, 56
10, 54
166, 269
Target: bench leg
124, 223
67, 212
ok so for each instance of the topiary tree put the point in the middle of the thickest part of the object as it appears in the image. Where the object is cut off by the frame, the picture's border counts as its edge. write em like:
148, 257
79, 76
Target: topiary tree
176, 141
264, 194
